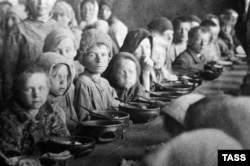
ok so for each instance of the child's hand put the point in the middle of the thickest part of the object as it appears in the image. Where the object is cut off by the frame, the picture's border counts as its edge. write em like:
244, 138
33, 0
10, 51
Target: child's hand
146, 64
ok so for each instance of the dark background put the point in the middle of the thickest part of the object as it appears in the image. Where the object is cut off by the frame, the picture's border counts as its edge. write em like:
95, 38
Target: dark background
137, 13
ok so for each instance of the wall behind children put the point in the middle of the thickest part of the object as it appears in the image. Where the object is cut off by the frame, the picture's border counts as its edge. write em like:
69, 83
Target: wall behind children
137, 13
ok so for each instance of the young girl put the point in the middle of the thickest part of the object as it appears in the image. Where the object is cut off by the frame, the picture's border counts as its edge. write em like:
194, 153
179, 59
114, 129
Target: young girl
139, 43
124, 70
92, 91
88, 13
62, 41
160, 72
29, 118
61, 92
64, 14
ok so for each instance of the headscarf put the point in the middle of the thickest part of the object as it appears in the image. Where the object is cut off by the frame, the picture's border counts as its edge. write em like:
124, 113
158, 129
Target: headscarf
12, 2
19, 11
92, 37
133, 39
67, 10
55, 37
83, 24
123, 94
49, 60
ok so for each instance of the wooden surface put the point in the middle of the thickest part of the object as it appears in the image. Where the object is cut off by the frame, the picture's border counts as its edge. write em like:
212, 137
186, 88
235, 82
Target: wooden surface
140, 136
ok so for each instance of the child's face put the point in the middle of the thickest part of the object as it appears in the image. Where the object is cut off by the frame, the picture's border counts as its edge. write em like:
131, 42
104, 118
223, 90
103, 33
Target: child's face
40, 8
61, 18
168, 36
199, 42
226, 29
97, 59
214, 32
67, 49
126, 74
159, 56
35, 91
144, 49
88, 11
59, 81
105, 12
181, 32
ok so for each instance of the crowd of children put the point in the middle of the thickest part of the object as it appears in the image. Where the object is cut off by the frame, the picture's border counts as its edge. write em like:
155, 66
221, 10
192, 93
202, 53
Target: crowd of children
55, 67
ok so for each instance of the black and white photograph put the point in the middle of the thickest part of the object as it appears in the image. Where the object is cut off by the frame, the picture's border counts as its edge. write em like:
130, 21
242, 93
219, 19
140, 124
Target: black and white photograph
124, 82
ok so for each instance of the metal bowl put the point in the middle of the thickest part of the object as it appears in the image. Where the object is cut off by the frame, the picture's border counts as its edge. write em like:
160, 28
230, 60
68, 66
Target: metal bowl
178, 88
140, 112
59, 144
101, 130
120, 116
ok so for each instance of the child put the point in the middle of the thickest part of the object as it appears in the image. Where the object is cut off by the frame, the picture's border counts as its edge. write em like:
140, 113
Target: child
118, 30
64, 14
139, 43
61, 89
62, 41
160, 73
162, 32
182, 25
124, 71
92, 91
88, 13
213, 51
191, 59
29, 118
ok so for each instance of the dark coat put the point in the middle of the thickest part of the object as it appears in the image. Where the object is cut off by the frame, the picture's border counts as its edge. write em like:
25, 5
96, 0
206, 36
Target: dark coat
20, 132
189, 61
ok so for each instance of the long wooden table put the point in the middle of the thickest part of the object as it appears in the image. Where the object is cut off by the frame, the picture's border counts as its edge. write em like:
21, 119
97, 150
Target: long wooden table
140, 136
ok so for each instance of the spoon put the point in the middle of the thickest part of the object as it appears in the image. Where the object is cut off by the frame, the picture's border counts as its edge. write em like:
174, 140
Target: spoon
96, 114
3, 156
132, 104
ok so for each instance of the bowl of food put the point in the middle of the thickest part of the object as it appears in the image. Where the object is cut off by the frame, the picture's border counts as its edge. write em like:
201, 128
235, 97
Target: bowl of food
140, 112
168, 95
120, 116
102, 131
180, 88
76, 145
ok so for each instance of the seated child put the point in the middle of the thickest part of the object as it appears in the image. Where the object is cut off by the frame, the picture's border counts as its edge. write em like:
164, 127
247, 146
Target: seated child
191, 59
162, 32
139, 43
225, 35
92, 91
29, 118
234, 15
160, 72
182, 25
213, 51
124, 71
61, 92
62, 41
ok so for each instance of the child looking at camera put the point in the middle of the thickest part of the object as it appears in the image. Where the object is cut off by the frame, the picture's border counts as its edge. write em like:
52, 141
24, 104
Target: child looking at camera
92, 91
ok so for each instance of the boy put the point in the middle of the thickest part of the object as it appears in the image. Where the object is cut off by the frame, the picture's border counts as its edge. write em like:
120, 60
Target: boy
29, 118
182, 25
192, 59
92, 91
